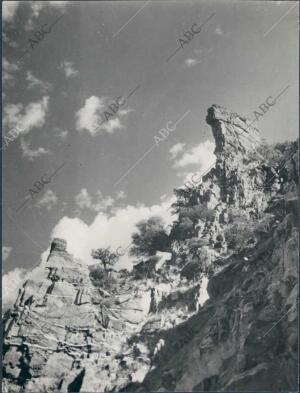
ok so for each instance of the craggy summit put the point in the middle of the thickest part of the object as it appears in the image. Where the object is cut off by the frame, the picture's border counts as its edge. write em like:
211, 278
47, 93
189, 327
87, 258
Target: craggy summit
216, 309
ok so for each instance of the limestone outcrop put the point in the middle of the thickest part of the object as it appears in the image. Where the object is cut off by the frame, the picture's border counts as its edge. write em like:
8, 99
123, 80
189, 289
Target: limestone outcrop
217, 313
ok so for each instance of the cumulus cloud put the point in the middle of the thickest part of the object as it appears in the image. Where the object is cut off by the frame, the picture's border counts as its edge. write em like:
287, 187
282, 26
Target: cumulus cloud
194, 163
107, 230
26, 117
14, 280
8, 71
176, 149
95, 116
6, 251
88, 116
69, 69
201, 155
48, 200
121, 195
32, 154
84, 200
112, 125
33, 82
11, 282
123, 112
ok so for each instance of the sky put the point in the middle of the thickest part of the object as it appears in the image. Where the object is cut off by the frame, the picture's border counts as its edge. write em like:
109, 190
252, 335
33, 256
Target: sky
72, 167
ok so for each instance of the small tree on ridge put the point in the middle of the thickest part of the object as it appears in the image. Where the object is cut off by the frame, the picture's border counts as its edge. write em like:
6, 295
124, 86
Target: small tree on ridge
105, 256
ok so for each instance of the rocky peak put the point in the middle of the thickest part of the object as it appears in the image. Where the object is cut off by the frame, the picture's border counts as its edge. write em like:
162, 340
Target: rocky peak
233, 134
237, 178
58, 249
59, 245
74, 329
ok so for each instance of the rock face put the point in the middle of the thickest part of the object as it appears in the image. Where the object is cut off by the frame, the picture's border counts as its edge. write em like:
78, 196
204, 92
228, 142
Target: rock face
234, 135
64, 333
152, 330
58, 245
244, 338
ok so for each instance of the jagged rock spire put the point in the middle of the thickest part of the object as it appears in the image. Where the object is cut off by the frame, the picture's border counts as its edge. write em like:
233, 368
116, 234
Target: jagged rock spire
58, 245
233, 134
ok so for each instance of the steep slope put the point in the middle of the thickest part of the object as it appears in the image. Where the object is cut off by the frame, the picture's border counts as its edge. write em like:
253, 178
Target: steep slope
245, 238
63, 333
150, 330
245, 337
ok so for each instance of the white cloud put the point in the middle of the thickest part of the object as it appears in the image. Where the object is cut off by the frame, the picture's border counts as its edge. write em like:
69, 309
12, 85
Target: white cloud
84, 201
121, 195
201, 155
105, 203
14, 280
176, 149
69, 69
105, 230
36, 8
6, 252
114, 231
91, 117
11, 282
48, 200
111, 125
9, 9
191, 62
88, 117
31, 116
123, 112
35, 82
219, 31
32, 154
8, 71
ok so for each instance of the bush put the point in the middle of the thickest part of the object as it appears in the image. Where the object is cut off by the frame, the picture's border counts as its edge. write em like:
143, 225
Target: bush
150, 238
239, 233
103, 278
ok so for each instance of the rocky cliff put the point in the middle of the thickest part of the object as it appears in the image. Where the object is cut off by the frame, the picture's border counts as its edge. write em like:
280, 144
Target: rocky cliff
237, 230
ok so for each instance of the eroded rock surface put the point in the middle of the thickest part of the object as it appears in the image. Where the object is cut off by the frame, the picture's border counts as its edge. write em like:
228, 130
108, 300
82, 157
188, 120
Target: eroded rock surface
218, 312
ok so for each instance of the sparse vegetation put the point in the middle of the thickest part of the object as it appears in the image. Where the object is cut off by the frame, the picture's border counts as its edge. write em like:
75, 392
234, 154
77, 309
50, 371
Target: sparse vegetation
190, 211
105, 256
239, 231
102, 278
150, 238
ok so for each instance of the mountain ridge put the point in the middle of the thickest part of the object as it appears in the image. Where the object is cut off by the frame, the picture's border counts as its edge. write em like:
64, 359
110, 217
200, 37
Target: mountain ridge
237, 229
